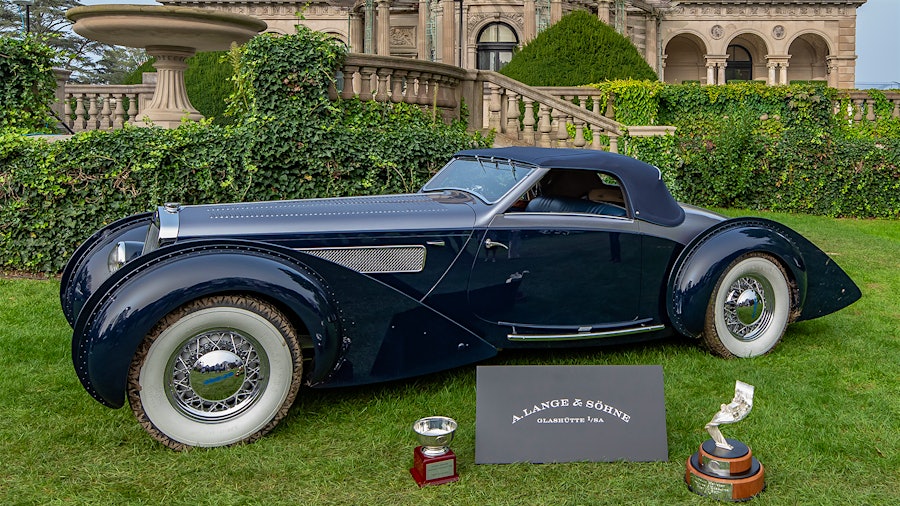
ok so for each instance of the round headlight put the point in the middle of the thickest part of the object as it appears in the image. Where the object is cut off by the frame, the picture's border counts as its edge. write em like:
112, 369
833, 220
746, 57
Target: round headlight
117, 257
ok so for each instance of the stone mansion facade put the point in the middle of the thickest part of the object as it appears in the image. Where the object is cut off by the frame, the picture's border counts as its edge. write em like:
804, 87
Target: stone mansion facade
706, 41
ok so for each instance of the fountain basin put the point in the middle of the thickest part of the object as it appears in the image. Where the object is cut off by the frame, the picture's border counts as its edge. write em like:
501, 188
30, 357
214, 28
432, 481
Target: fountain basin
154, 25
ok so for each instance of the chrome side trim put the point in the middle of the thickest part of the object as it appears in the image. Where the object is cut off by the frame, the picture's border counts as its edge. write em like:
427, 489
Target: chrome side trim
604, 216
374, 259
583, 335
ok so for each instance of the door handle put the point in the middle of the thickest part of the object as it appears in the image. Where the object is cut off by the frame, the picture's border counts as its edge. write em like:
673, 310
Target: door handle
491, 244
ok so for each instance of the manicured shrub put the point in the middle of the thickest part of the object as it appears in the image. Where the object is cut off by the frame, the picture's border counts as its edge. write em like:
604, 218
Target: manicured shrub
579, 49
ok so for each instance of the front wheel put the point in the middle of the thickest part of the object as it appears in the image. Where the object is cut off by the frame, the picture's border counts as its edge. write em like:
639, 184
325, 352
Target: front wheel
218, 371
749, 309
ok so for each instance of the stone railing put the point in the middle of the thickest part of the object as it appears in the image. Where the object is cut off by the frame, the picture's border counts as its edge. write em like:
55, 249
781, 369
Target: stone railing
864, 106
433, 86
493, 101
104, 107
520, 114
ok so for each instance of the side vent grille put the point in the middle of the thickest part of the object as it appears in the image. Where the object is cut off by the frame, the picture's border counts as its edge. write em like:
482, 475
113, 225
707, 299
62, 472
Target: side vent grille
374, 259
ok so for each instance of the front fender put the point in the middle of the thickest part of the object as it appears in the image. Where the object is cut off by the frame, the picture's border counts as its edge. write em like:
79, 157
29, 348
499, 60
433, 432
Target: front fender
87, 269
704, 260
125, 308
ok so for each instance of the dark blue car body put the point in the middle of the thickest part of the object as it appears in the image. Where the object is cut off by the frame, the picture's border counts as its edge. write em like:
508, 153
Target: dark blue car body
396, 286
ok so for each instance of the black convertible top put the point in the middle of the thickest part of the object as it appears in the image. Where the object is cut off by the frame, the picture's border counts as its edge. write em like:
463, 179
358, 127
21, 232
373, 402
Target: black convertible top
649, 197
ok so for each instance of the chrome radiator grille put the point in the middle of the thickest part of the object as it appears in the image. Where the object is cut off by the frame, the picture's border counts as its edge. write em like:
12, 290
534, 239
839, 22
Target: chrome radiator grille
374, 259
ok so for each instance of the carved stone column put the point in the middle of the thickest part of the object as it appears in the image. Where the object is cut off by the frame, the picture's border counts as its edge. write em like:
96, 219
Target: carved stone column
715, 68
357, 32
530, 22
421, 31
448, 35
831, 71
384, 27
555, 11
777, 62
603, 10
650, 53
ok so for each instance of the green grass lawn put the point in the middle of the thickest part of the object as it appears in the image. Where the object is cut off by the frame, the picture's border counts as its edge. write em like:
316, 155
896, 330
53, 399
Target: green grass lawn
825, 421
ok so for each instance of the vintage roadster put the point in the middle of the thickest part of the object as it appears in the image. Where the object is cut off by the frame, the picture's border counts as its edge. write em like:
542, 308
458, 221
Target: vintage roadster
209, 318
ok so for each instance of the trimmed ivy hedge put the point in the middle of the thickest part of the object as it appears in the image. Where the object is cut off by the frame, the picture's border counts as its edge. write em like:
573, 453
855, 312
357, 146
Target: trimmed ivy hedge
780, 148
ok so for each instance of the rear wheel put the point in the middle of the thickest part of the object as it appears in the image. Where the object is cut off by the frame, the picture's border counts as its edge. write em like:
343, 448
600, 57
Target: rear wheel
749, 309
218, 371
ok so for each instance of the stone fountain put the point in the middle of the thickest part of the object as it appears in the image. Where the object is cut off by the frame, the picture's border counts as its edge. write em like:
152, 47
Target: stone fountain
171, 35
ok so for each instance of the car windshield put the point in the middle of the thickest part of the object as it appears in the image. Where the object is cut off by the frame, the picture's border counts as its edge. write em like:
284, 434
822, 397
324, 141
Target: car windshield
486, 178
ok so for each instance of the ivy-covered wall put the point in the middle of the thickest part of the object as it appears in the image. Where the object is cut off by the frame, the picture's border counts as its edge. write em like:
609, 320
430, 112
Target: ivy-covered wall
288, 141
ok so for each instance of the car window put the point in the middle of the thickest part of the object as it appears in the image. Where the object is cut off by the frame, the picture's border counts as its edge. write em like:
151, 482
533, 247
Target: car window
574, 191
487, 179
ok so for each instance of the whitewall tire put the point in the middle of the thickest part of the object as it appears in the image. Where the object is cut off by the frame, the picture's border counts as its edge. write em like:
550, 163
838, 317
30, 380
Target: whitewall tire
749, 309
218, 371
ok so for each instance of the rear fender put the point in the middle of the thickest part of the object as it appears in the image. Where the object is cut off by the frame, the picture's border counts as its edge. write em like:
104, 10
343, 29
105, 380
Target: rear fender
125, 308
704, 260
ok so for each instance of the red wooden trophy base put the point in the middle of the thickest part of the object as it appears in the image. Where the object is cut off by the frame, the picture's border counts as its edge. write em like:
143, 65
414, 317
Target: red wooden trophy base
726, 475
433, 470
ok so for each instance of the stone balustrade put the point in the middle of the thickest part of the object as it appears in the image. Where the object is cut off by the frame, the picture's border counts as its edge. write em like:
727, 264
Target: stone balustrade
104, 107
520, 114
432, 86
863, 106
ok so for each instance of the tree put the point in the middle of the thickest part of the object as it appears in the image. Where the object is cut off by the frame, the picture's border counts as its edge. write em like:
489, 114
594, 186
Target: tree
90, 61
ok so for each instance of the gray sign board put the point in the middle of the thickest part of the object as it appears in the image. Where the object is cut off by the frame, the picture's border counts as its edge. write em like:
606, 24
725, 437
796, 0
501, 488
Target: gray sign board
544, 414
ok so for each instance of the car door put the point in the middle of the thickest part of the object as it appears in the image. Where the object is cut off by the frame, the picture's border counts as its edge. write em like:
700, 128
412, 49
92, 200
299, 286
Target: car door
556, 273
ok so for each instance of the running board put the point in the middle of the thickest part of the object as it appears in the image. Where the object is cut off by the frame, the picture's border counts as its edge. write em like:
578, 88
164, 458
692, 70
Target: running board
584, 335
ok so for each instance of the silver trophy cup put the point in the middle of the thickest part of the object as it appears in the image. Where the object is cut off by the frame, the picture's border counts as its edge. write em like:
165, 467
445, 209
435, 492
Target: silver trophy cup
434, 434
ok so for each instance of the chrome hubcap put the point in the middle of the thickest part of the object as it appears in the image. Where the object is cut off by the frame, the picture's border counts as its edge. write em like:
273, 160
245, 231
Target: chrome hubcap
216, 375
748, 311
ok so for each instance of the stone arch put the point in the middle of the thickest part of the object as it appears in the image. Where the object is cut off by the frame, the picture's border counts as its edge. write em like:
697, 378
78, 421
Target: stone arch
684, 57
478, 22
337, 35
495, 43
809, 52
756, 46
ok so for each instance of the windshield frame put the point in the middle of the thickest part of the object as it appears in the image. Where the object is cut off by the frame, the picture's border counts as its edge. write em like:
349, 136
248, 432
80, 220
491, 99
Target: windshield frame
441, 181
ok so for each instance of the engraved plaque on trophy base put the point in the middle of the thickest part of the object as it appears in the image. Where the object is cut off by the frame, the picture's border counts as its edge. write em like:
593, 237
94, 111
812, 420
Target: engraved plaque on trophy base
433, 470
726, 475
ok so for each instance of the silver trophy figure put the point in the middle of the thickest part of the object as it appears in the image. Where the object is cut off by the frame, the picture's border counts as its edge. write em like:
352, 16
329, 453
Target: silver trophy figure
725, 469
730, 413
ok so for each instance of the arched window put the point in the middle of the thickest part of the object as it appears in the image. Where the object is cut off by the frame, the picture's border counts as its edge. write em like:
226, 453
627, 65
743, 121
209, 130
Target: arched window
740, 64
495, 46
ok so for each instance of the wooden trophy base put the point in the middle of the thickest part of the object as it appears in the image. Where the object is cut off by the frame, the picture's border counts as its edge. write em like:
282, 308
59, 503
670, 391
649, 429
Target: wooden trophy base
726, 475
433, 470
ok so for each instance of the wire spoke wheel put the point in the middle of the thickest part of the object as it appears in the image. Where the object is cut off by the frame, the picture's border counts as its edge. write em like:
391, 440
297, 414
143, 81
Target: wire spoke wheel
749, 309
218, 371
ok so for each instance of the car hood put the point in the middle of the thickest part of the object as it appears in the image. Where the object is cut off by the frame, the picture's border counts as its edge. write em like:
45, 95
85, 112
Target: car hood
389, 213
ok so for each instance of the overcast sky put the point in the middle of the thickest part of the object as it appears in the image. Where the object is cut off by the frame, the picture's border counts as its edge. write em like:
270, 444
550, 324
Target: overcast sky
878, 43
877, 40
